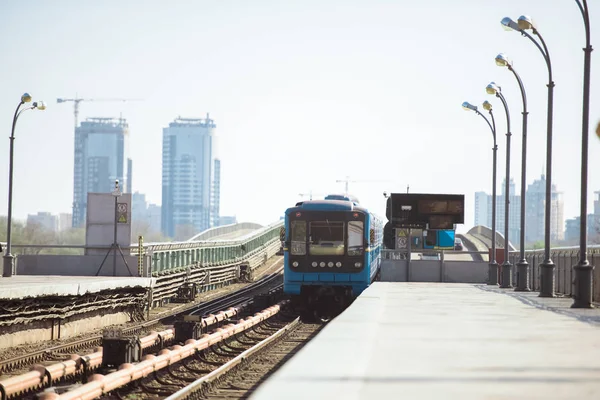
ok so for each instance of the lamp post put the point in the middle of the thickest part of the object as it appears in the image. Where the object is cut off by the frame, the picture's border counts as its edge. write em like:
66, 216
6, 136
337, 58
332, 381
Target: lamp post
493, 265
116, 193
522, 266
7, 269
583, 289
506, 268
547, 266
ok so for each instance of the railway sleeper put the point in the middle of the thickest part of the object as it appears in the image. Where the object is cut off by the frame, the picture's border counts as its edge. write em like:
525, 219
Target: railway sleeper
201, 356
179, 377
227, 348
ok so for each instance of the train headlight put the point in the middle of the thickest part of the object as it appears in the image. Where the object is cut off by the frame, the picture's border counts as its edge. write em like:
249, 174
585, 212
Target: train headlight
357, 264
314, 264
322, 264
338, 264
330, 264
295, 264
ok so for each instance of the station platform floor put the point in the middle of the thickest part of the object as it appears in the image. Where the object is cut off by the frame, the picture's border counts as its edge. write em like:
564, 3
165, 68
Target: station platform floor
447, 341
22, 286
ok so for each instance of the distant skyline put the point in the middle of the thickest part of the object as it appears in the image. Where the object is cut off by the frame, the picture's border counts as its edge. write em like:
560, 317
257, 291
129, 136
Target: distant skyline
305, 93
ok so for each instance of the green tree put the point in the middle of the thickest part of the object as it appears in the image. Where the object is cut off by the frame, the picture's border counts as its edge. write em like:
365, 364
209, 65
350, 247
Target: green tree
184, 232
35, 234
536, 245
143, 228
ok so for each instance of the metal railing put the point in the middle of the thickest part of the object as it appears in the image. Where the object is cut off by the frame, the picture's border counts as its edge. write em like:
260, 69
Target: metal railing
564, 258
177, 256
173, 257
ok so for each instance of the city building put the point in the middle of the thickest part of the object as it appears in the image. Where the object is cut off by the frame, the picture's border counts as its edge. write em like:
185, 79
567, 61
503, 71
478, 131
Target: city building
145, 213
191, 175
481, 208
483, 211
227, 220
101, 157
573, 225
535, 212
45, 220
65, 221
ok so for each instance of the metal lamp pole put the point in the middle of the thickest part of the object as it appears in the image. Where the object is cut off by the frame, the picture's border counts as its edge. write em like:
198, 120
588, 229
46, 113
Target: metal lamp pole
583, 289
522, 266
493, 265
116, 193
506, 268
547, 267
7, 269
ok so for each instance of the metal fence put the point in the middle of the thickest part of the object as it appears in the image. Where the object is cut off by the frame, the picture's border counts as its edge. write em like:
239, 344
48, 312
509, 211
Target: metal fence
565, 258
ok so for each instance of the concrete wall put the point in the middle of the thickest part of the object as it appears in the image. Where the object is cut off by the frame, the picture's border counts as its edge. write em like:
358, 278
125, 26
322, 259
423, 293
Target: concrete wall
434, 271
74, 265
100, 222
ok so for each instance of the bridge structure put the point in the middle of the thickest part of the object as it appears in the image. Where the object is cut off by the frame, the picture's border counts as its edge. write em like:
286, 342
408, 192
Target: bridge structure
221, 252
437, 309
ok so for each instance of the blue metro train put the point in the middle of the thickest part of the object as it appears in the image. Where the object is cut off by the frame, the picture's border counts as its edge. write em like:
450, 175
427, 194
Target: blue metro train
331, 253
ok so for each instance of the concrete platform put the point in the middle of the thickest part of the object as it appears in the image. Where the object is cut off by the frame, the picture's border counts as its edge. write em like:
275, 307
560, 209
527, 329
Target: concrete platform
23, 286
447, 341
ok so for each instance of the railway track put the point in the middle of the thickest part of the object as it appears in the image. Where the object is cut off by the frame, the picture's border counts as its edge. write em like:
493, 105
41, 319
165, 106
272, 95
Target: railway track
231, 369
155, 375
239, 378
65, 350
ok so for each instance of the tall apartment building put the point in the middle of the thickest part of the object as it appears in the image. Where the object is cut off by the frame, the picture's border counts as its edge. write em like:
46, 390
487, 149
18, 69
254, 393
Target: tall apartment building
483, 211
101, 157
481, 208
535, 212
191, 176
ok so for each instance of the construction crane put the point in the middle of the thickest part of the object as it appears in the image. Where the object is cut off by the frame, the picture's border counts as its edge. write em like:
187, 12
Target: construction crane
78, 146
77, 100
348, 180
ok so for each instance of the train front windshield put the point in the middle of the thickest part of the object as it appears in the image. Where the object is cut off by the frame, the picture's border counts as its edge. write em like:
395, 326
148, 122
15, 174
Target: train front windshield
327, 238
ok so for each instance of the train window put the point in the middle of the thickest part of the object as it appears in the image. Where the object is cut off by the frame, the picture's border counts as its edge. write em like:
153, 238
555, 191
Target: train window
298, 238
355, 238
326, 238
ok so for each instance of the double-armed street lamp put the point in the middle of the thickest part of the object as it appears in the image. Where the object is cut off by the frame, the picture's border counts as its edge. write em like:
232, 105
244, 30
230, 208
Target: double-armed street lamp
493, 265
522, 266
547, 266
583, 289
506, 268
8, 257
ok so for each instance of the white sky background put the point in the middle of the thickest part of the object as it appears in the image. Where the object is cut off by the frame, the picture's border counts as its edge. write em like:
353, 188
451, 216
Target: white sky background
302, 92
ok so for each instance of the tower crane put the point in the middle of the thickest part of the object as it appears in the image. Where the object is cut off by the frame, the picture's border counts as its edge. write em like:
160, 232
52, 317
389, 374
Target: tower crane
348, 180
78, 100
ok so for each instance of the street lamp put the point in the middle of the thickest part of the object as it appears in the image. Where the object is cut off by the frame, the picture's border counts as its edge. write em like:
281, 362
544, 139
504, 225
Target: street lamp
547, 266
7, 269
506, 269
522, 266
493, 265
583, 289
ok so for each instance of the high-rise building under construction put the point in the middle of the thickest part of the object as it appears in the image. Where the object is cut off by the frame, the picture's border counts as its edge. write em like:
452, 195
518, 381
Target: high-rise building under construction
101, 157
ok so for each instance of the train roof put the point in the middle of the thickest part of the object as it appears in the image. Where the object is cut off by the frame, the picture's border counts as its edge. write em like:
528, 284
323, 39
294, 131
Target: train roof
328, 205
347, 197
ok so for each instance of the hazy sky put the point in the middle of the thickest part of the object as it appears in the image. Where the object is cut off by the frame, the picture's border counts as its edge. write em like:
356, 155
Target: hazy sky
303, 93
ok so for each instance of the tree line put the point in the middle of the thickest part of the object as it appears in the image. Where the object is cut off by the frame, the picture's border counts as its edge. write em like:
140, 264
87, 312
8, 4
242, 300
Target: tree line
33, 233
